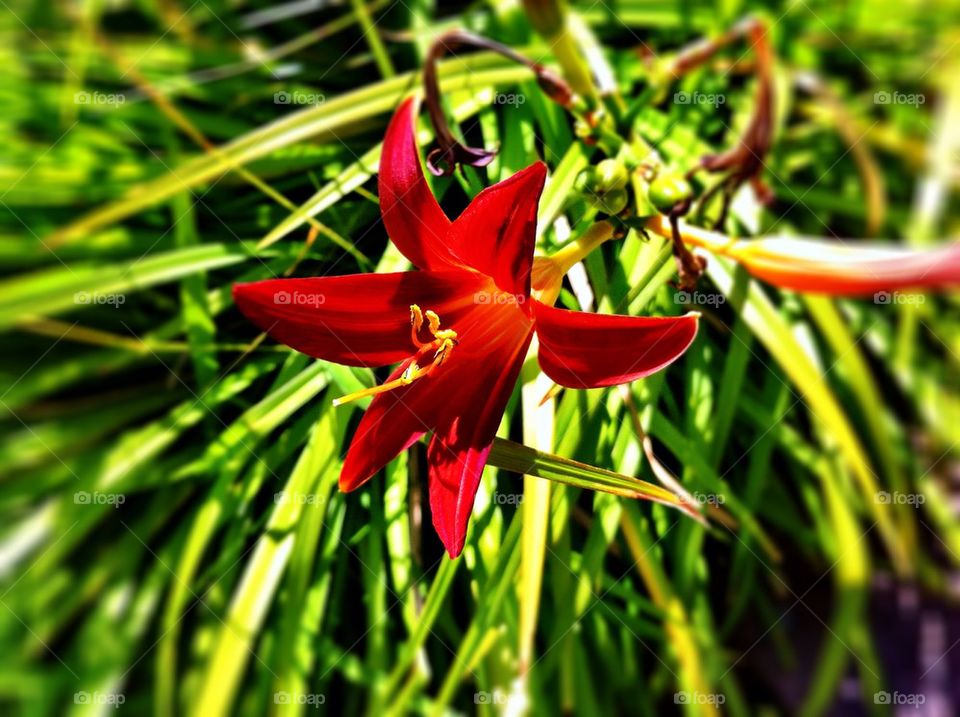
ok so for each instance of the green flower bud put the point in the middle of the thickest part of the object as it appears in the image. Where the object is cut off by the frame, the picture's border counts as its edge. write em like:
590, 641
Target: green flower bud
613, 202
667, 190
612, 175
586, 181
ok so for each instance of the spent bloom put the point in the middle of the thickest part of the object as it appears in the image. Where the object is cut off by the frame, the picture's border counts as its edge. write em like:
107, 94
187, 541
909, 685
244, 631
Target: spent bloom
833, 267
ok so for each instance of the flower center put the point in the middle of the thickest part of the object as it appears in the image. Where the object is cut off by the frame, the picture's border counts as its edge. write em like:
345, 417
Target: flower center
442, 346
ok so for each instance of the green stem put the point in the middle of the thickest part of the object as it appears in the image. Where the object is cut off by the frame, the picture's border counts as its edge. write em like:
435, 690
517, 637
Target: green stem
575, 70
373, 39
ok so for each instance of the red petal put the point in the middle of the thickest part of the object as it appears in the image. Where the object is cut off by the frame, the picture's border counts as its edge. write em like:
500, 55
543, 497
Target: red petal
357, 320
392, 423
459, 449
581, 350
496, 233
414, 220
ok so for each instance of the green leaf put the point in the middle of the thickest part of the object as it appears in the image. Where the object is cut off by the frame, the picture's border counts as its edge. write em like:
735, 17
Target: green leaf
528, 461
82, 286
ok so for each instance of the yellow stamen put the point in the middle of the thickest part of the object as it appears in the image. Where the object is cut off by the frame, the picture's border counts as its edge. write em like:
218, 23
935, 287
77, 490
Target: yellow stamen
442, 345
434, 321
382, 388
416, 323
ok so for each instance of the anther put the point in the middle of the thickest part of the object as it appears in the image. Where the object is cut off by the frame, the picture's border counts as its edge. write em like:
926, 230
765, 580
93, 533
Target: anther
442, 345
416, 323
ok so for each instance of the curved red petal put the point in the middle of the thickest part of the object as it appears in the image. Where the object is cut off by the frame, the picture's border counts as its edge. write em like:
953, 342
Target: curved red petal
459, 448
392, 423
497, 232
414, 220
357, 320
581, 350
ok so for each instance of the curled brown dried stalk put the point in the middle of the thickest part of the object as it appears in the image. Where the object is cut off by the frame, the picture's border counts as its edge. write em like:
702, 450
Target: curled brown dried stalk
743, 162
450, 152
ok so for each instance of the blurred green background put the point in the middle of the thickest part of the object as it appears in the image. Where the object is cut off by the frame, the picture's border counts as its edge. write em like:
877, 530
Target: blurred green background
172, 540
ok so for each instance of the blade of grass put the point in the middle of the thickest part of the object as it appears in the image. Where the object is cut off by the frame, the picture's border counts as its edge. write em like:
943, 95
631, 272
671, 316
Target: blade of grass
55, 290
522, 459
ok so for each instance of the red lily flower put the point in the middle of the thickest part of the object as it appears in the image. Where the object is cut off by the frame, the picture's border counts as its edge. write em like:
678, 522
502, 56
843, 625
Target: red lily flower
460, 328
